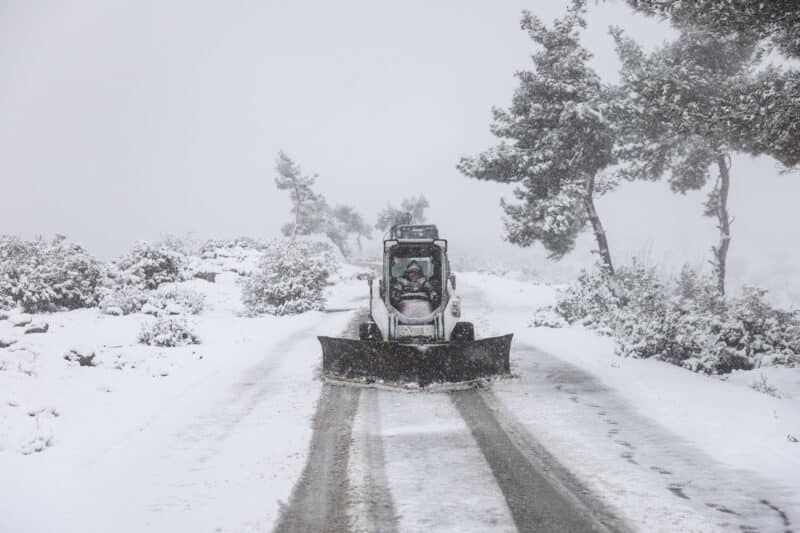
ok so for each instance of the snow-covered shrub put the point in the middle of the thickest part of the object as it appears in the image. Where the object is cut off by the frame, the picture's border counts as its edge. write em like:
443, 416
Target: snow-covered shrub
683, 321
122, 300
546, 317
589, 301
46, 276
169, 299
205, 275
757, 331
167, 332
176, 300
240, 256
213, 248
291, 278
147, 266
185, 245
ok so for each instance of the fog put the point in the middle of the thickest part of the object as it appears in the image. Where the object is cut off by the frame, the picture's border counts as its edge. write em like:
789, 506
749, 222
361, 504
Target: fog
122, 121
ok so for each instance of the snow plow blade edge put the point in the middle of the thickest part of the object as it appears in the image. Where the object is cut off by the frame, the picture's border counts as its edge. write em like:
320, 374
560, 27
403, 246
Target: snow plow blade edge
411, 363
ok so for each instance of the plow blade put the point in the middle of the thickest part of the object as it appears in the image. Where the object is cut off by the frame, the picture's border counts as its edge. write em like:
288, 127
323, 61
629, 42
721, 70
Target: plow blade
422, 364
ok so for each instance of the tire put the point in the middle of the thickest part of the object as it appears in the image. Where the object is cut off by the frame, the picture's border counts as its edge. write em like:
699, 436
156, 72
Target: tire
368, 331
463, 332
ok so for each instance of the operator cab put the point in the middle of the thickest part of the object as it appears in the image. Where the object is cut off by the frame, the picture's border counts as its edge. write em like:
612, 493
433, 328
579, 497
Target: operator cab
417, 269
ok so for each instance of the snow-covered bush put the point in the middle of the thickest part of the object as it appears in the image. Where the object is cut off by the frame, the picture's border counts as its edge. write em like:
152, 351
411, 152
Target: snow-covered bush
122, 300
240, 256
546, 317
146, 267
46, 276
683, 321
185, 245
291, 278
756, 330
213, 245
167, 332
589, 301
176, 300
169, 299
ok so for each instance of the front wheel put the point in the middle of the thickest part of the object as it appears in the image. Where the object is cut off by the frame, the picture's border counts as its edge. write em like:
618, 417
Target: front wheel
463, 331
368, 331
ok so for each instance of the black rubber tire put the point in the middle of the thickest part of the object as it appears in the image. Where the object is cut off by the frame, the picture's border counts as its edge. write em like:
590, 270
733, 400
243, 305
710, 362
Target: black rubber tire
368, 331
464, 331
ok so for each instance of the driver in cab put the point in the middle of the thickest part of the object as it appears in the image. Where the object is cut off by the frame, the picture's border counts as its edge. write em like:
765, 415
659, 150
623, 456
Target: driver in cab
413, 285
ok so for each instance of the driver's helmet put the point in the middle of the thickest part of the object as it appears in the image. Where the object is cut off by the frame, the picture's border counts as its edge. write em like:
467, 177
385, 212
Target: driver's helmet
413, 266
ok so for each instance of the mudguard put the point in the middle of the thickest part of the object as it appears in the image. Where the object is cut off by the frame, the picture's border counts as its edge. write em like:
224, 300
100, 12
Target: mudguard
422, 364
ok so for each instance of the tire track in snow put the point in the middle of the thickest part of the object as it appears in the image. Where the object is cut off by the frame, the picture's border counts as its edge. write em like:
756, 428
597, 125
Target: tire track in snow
319, 499
371, 502
439, 479
590, 423
536, 498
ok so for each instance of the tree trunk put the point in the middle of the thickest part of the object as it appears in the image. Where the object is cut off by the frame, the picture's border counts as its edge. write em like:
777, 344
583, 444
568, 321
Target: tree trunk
296, 211
597, 226
721, 251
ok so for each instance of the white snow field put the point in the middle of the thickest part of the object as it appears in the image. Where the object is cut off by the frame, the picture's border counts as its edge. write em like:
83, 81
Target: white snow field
212, 437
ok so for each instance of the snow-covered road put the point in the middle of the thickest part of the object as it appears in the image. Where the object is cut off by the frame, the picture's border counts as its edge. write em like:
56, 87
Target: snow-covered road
248, 439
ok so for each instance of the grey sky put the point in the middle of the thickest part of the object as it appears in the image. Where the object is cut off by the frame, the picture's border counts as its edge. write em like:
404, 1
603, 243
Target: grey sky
124, 120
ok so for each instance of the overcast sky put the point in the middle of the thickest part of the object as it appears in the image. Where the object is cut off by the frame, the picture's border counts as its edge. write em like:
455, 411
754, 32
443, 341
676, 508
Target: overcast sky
125, 120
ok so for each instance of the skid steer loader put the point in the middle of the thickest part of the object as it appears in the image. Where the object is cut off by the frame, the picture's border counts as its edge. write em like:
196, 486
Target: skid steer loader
413, 334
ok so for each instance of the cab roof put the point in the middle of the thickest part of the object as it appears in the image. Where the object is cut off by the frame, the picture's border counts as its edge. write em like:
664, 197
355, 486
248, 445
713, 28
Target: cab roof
414, 232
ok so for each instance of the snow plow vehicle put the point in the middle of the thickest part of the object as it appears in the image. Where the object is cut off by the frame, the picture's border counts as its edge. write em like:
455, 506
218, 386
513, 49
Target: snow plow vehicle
413, 334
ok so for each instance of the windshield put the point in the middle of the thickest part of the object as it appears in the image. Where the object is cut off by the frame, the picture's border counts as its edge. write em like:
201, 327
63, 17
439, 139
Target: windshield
428, 258
415, 278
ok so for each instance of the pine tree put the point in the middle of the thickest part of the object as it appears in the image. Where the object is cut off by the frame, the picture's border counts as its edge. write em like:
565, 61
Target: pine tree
388, 217
352, 223
765, 113
305, 203
675, 117
416, 205
412, 211
555, 140
775, 21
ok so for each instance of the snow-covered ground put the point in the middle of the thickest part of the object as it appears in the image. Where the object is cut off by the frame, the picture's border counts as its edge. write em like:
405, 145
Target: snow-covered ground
675, 450
192, 438
212, 437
